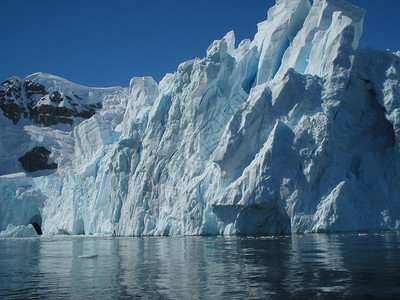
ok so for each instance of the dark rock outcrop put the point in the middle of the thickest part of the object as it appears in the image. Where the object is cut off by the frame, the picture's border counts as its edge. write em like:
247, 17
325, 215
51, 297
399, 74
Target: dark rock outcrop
23, 99
36, 159
11, 99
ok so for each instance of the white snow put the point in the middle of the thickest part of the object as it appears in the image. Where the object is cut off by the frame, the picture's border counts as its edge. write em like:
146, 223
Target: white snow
58, 139
88, 95
295, 131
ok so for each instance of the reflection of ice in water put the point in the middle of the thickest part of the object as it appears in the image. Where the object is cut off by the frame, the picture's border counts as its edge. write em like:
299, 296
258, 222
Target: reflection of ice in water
138, 276
300, 266
166, 265
56, 263
320, 254
65, 272
178, 267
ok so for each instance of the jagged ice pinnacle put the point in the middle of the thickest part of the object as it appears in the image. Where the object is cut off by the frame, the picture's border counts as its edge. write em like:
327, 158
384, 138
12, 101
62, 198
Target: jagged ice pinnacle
295, 131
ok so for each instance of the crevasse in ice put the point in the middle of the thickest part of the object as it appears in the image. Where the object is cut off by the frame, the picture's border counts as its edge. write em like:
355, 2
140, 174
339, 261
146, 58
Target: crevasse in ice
295, 131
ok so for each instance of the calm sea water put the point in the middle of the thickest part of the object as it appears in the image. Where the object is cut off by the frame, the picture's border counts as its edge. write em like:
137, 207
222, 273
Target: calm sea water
298, 266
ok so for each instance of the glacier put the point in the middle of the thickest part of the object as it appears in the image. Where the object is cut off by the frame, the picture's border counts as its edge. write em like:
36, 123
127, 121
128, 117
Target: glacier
295, 131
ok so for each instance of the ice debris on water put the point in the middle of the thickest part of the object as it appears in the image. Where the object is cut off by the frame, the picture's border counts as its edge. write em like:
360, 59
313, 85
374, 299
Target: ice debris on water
86, 256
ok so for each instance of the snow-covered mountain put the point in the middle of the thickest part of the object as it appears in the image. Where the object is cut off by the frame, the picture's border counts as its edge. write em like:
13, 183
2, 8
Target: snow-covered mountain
297, 130
38, 115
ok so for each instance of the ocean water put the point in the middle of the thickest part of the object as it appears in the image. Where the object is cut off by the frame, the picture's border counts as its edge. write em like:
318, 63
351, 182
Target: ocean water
320, 266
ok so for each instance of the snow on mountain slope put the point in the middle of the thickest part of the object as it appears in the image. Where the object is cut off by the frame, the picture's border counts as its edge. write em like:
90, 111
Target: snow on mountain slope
41, 111
295, 131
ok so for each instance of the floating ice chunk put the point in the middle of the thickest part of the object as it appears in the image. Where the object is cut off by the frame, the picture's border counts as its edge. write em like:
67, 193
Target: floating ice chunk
86, 256
19, 231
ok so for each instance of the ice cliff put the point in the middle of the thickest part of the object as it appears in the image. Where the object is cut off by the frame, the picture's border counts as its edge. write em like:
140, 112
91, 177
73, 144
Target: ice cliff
295, 131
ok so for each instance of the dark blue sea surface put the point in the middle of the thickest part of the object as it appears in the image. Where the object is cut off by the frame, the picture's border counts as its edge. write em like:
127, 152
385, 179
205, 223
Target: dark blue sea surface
320, 266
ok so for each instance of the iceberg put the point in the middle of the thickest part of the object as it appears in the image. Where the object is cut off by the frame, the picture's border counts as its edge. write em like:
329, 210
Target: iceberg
20, 231
295, 131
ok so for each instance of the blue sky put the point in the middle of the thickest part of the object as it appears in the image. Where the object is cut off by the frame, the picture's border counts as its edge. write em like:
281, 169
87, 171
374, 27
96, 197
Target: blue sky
105, 43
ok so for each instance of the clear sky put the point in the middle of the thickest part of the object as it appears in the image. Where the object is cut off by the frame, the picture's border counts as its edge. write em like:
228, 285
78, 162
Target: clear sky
105, 43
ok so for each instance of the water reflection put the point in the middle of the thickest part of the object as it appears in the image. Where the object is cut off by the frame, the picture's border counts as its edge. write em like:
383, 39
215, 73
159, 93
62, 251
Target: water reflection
299, 266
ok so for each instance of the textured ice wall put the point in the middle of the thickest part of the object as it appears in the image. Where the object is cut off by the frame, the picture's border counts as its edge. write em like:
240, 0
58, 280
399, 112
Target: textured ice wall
20, 202
283, 134
294, 131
